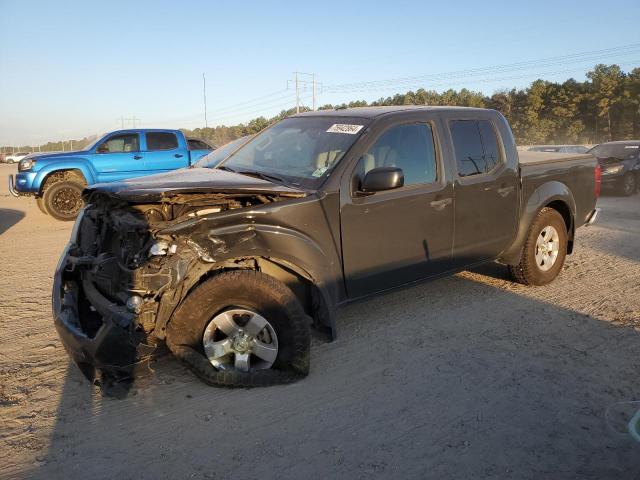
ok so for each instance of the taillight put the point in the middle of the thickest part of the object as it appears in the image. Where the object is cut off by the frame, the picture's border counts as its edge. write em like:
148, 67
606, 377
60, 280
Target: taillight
598, 175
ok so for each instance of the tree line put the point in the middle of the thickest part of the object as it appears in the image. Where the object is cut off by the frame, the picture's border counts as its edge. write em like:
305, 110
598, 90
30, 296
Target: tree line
604, 107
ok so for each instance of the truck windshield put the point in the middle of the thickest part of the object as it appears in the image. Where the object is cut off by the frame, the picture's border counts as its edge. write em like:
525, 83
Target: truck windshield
214, 158
299, 150
93, 143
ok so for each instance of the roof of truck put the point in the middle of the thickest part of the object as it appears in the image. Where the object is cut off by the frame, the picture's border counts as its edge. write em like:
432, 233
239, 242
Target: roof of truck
372, 112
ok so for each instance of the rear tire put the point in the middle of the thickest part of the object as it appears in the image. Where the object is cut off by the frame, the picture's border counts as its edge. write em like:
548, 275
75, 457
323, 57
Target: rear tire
246, 290
540, 262
63, 200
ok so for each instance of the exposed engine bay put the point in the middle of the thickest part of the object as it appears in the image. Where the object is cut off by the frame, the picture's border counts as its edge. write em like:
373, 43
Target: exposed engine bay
130, 266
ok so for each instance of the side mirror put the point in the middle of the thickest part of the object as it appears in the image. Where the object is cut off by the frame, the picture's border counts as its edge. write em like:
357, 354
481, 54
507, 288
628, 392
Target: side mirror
382, 178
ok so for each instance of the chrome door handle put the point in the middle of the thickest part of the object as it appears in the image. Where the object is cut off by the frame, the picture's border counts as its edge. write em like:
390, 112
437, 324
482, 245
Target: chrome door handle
137, 157
504, 191
440, 204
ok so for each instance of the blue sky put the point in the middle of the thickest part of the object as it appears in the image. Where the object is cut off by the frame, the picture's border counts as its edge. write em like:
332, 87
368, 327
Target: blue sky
70, 69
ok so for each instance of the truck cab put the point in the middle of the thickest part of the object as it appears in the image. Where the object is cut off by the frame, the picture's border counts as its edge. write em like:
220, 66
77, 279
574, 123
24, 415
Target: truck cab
118, 155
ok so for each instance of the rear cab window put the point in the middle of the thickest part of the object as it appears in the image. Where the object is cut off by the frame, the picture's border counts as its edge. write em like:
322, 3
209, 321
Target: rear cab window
197, 144
476, 147
161, 141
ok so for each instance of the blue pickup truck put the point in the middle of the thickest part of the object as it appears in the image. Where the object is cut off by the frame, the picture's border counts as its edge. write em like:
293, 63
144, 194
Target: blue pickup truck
56, 180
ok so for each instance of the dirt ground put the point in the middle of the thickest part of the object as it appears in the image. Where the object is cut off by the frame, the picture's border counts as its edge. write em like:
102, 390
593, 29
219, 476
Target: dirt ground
470, 376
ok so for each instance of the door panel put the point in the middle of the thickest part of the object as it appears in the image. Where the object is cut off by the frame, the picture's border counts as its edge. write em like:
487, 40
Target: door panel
162, 152
486, 191
394, 237
118, 157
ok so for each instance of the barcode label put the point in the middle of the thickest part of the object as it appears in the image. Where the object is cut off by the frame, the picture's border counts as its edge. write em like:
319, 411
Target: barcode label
344, 128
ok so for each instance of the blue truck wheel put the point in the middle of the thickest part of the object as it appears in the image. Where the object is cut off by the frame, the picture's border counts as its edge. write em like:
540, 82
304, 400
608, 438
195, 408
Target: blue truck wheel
63, 200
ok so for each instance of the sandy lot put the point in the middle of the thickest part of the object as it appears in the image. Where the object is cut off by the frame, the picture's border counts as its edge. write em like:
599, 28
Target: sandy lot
467, 377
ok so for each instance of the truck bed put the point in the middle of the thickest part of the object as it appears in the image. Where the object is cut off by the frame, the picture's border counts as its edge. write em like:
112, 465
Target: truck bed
573, 171
535, 158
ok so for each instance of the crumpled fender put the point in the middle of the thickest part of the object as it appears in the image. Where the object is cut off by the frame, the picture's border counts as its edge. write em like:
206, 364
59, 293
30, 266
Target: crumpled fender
285, 246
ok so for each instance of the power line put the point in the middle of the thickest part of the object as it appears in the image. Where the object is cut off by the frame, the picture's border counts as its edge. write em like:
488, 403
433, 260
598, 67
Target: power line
261, 111
299, 83
518, 66
252, 101
127, 120
458, 81
265, 105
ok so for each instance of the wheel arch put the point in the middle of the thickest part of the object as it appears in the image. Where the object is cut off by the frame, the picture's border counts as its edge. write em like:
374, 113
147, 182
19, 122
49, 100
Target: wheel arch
314, 298
555, 195
45, 178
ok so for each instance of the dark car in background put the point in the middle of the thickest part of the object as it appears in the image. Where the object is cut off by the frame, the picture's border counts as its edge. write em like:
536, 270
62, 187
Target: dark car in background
620, 164
560, 148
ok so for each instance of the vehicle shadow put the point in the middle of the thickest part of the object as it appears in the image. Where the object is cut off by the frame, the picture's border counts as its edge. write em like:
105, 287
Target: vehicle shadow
456, 378
8, 218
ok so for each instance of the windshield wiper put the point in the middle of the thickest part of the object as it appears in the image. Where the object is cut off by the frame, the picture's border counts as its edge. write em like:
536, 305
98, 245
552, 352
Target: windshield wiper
264, 176
226, 169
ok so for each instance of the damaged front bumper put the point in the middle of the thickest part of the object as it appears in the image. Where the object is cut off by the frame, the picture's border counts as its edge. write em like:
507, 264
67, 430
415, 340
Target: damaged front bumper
104, 343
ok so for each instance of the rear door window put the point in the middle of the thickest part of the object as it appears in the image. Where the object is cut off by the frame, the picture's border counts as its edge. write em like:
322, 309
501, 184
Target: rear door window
475, 145
489, 144
161, 141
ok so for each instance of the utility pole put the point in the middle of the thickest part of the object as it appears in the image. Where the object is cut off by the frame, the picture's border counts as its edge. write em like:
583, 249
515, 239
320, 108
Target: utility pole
71, 142
299, 82
204, 97
297, 94
124, 120
313, 82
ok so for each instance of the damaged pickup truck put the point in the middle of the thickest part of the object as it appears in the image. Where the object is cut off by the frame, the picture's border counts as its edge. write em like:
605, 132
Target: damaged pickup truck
232, 266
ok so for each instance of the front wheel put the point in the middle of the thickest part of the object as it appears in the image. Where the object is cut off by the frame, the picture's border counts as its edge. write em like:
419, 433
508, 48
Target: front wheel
628, 184
241, 328
63, 200
544, 250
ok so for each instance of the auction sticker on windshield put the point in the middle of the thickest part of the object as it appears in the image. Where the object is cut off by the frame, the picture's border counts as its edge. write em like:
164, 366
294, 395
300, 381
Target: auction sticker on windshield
344, 128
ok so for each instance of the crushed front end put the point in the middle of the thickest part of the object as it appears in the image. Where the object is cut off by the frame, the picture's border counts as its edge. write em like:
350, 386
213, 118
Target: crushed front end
120, 277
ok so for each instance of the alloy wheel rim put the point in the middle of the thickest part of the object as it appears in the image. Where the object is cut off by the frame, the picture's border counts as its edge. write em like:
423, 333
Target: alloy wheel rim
547, 248
66, 201
629, 184
240, 339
